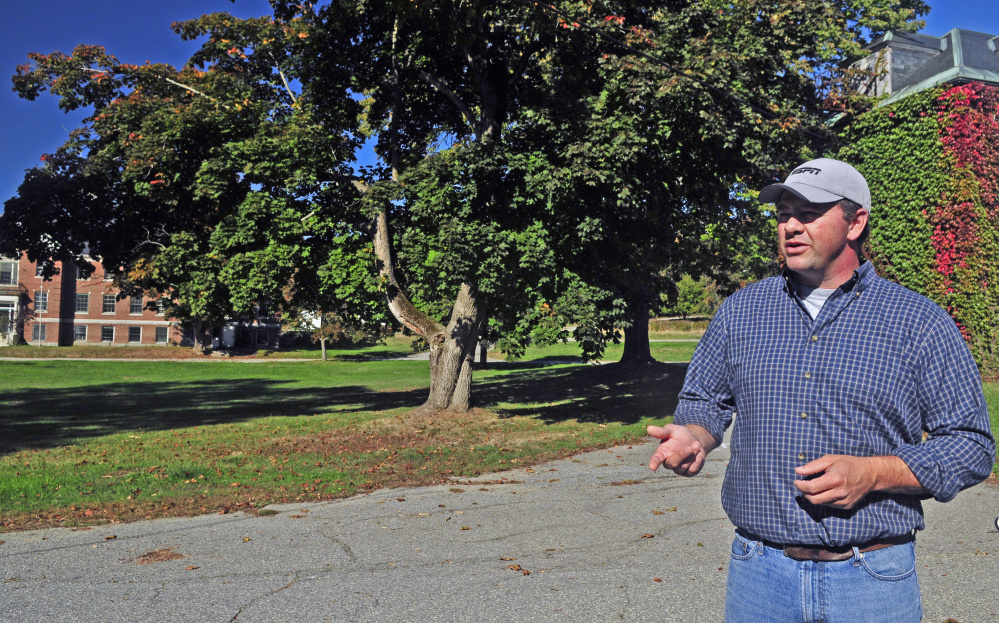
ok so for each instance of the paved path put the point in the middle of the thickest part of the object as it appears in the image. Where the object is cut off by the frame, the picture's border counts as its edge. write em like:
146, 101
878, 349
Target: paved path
595, 532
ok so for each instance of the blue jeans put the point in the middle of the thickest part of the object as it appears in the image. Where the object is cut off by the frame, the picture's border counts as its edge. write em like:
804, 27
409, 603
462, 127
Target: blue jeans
877, 586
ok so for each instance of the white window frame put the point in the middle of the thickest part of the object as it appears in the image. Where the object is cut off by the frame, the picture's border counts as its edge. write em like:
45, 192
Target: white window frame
131, 305
137, 329
76, 329
104, 303
36, 329
76, 308
13, 274
104, 329
41, 301
165, 332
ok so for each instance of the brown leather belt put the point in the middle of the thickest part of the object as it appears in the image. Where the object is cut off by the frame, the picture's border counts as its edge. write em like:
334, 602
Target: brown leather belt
833, 554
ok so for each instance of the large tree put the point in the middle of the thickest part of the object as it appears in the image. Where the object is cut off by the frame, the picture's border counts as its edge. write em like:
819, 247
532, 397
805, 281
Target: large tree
190, 185
525, 163
700, 102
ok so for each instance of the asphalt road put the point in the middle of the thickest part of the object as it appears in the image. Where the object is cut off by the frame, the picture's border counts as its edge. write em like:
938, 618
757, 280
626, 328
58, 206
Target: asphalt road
593, 538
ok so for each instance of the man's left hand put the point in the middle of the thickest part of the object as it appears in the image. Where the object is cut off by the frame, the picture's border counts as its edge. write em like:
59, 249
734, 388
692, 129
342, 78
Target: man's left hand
843, 481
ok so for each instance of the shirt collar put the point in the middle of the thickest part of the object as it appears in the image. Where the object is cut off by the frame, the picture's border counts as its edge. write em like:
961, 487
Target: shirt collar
861, 279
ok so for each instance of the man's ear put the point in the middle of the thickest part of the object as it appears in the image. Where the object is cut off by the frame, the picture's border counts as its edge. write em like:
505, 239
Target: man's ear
857, 225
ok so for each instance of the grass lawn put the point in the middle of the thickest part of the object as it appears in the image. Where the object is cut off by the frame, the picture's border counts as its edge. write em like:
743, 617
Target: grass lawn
91, 442
992, 399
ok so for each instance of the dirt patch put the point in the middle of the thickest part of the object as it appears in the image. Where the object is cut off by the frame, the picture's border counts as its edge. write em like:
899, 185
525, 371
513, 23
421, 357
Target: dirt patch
158, 555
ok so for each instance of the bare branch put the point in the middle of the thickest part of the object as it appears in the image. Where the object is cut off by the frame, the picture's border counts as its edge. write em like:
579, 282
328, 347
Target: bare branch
283, 78
437, 84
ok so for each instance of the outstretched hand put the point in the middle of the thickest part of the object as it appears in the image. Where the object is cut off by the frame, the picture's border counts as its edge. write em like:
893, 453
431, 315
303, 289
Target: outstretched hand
680, 450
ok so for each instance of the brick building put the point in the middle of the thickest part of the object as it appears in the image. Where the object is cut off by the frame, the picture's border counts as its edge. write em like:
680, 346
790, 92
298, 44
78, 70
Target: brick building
67, 310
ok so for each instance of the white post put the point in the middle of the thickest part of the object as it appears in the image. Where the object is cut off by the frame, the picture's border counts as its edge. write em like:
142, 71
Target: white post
38, 321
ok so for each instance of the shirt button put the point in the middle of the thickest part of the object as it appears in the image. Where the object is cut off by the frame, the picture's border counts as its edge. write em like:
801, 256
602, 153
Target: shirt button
801, 457
808, 375
803, 415
815, 338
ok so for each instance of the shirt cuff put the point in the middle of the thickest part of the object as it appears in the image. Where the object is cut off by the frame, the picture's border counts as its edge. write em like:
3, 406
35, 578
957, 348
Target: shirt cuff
928, 471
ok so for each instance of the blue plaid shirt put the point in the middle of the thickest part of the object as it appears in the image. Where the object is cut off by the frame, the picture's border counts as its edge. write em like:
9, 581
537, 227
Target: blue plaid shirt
878, 366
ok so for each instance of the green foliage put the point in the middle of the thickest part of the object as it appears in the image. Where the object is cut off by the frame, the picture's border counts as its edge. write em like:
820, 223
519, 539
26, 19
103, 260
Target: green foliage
340, 331
693, 298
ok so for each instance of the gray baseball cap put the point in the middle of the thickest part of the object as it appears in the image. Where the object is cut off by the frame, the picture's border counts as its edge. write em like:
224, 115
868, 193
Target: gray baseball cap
822, 181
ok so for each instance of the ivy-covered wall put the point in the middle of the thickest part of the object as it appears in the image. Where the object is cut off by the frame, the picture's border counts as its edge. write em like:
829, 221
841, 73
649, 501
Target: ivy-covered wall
932, 162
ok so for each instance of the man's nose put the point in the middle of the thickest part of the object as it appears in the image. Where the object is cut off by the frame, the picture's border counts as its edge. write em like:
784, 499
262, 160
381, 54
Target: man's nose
793, 224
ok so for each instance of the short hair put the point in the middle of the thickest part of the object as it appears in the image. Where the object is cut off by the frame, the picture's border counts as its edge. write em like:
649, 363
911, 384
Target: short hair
850, 212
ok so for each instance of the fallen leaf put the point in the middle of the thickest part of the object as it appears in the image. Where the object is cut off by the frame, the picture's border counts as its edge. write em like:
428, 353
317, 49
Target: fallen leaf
508, 559
2, 542
671, 510
158, 555
400, 499
700, 545
191, 568
246, 538
656, 580
297, 516
648, 536
111, 538
658, 513
465, 528
628, 481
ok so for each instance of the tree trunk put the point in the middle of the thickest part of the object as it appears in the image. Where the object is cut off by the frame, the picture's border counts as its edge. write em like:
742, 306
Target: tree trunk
197, 328
452, 353
636, 336
323, 342
452, 348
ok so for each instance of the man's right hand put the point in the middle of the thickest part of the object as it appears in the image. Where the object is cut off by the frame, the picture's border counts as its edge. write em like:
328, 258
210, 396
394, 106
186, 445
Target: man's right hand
681, 449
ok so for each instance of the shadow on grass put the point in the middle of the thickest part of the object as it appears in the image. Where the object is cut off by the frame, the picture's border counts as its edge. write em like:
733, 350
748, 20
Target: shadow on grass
50, 417
45, 418
612, 392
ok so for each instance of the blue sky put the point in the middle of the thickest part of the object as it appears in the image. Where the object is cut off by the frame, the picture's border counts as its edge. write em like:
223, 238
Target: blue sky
139, 30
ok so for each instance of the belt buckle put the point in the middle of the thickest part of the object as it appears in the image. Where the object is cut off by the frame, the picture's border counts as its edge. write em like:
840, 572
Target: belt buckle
816, 554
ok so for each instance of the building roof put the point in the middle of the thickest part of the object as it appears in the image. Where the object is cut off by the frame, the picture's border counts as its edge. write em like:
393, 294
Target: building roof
965, 56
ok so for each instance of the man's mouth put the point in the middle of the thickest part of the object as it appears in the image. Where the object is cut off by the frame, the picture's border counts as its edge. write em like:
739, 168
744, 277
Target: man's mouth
795, 247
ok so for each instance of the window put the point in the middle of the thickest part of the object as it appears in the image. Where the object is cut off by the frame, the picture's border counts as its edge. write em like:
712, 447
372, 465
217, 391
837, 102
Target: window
135, 334
135, 305
107, 334
8, 273
38, 332
80, 276
161, 335
160, 307
261, 337
82, 303
6, 317
38, 269
109, 300
79, 333
41, 302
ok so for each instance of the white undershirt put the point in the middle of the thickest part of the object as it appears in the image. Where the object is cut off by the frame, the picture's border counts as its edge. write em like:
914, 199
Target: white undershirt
813, 298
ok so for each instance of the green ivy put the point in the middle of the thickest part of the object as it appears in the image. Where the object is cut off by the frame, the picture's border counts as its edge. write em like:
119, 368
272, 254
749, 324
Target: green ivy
931, 162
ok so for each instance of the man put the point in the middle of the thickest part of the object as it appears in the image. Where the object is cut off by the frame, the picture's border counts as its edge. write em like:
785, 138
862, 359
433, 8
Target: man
834, 374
